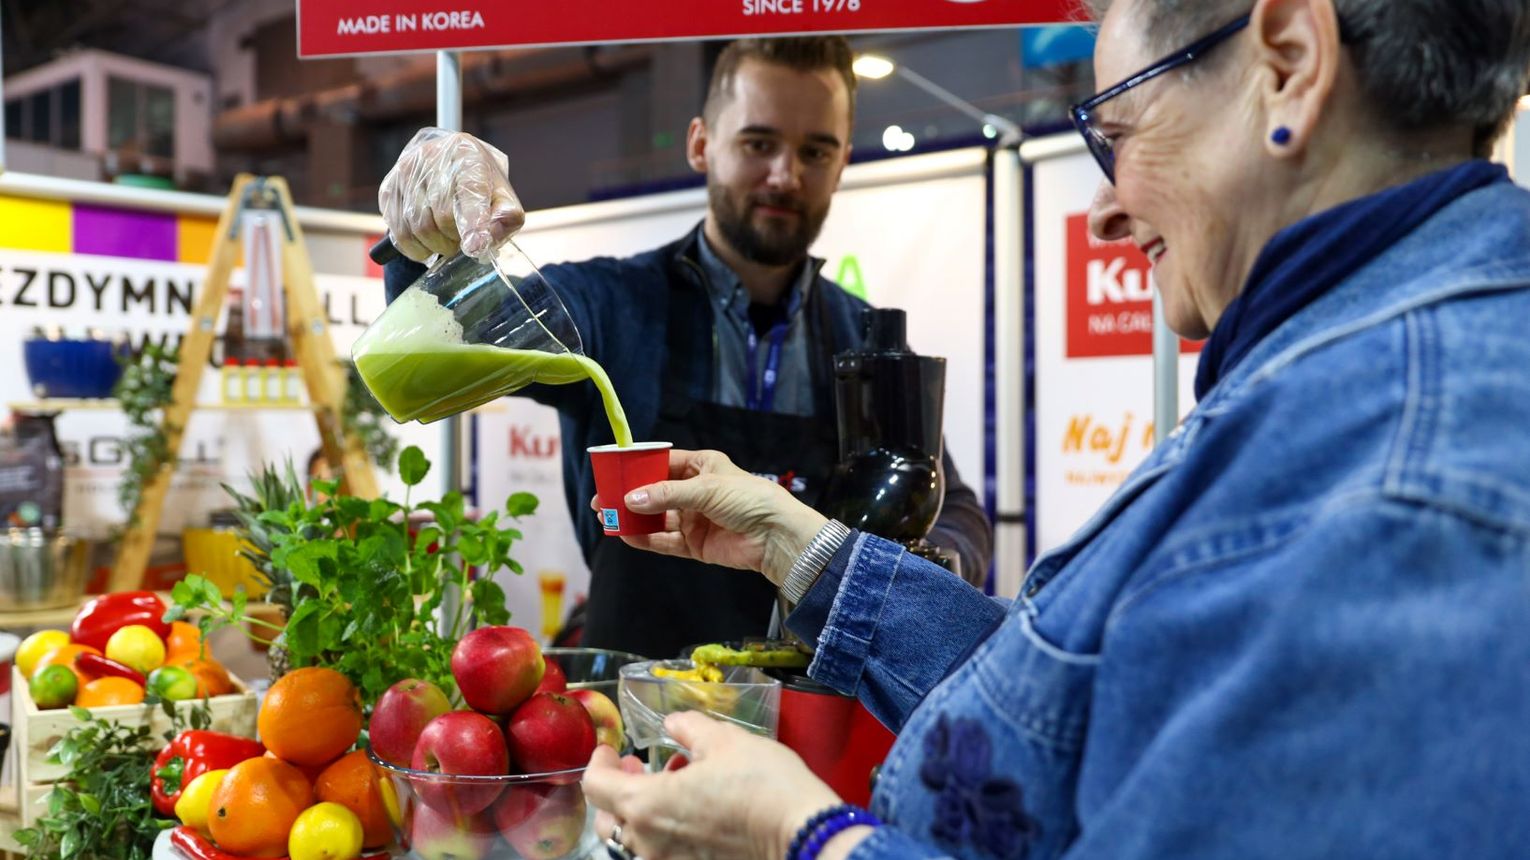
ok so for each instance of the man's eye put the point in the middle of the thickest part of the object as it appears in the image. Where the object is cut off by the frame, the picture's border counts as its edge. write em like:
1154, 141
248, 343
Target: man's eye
815, 155
759, 146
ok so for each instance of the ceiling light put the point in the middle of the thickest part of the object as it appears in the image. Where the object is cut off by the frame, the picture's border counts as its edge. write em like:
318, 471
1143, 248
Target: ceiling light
872, 67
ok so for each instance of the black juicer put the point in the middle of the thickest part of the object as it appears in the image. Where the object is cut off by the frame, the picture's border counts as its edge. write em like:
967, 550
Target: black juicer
889, 481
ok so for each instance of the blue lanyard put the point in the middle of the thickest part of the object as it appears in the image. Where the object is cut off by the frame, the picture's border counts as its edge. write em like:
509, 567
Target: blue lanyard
759, 395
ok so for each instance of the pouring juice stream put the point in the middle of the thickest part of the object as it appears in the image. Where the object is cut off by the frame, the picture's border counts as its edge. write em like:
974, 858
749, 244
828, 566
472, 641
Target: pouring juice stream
414, 361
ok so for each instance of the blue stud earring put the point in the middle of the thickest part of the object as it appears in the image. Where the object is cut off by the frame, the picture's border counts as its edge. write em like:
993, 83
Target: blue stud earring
1281, 135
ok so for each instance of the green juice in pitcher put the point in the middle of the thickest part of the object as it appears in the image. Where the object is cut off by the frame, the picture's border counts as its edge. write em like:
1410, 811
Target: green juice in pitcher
414, 362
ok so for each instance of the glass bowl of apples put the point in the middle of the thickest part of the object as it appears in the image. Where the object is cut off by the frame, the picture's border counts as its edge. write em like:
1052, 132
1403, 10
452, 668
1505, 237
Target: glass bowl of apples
497, 778
446, 816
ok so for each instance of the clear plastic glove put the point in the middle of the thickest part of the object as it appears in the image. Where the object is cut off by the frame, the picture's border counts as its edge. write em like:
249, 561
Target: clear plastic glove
720, 514
739, 796
449, 191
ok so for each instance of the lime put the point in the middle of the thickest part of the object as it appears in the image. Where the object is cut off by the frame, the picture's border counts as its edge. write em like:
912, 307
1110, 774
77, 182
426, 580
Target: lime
54, 687
33, 648
195, 803
173, 683
137, 647
325, 831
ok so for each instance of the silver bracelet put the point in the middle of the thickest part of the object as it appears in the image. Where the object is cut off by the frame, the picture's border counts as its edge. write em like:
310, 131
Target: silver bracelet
809, 566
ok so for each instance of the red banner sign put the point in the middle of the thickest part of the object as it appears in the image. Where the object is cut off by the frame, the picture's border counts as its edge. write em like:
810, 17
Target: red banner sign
1110, 296
328, 28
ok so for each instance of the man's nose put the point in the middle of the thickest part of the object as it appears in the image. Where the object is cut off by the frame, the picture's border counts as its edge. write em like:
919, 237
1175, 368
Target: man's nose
786, 172
1107, 220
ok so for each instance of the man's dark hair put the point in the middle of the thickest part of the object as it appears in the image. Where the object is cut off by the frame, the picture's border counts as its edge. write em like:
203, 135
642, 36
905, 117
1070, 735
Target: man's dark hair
802, 53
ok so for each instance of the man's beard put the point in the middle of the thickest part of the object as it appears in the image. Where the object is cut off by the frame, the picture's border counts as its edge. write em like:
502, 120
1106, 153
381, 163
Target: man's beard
771, 246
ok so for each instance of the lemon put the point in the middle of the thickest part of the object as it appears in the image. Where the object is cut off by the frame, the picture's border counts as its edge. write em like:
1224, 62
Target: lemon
195, 802
325, 831
136, 647
35, 647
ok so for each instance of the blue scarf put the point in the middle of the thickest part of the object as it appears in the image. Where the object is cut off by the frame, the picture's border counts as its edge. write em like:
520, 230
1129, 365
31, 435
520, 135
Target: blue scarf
1306, 259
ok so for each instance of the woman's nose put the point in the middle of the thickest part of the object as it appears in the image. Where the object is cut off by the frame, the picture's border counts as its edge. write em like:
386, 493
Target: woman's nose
1107, 220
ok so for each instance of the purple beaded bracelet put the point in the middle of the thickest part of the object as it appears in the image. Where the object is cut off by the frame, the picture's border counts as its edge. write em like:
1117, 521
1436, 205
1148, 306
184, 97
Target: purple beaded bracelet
825, 825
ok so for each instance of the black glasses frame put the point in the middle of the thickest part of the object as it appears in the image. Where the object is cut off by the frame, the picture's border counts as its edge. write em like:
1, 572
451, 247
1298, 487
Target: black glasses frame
1082, 114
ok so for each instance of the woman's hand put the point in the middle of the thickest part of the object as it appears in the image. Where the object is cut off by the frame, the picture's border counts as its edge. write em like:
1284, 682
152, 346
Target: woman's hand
449, 190
740, 796
720, 514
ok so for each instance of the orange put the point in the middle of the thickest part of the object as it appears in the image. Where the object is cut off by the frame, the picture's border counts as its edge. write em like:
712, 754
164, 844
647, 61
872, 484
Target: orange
310, 716
254, 807
185, 639
104, 692
64, 656
354, 783
212, 678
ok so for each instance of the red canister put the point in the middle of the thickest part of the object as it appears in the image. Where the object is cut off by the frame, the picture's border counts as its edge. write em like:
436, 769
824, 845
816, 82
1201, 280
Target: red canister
841, 742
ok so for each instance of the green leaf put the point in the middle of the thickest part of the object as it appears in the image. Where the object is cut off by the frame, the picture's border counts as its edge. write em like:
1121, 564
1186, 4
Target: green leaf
521, 504
412, 466
303, 629
90, 804
471, 550
184, 593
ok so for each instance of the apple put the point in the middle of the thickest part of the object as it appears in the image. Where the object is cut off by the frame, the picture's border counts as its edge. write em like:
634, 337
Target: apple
466, 744
400, 715
497, 668
553, 829
553, 678
434, 835
518, 803
550, 732
604, 713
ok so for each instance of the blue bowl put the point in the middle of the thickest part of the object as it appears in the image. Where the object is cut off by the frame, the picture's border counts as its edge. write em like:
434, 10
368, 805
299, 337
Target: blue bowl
72, 368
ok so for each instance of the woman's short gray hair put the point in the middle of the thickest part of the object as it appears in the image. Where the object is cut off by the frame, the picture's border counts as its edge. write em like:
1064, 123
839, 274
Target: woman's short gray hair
1424, 63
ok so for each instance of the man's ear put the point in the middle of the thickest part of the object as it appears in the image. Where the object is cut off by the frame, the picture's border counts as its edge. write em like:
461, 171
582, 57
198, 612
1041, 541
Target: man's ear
696, 145
1297, 48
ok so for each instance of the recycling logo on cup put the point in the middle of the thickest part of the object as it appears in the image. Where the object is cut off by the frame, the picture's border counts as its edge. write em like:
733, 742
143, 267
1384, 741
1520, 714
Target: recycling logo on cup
608, 519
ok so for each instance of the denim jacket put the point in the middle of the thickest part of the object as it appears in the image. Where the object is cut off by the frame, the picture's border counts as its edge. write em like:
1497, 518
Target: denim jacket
1301, 628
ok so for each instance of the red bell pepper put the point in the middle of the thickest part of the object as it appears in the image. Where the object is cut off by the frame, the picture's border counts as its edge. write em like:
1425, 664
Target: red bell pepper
197, 847
102, 616
199, 752
97, 666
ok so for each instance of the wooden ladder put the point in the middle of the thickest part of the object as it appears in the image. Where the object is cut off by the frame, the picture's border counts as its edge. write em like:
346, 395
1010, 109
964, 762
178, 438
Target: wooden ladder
308, 331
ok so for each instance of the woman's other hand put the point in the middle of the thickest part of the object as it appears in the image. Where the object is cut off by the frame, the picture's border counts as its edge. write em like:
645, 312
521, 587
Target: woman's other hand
741, 795
449, 191
720, 514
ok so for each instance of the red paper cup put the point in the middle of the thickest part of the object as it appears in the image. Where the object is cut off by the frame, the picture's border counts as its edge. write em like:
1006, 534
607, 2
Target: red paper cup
620, 470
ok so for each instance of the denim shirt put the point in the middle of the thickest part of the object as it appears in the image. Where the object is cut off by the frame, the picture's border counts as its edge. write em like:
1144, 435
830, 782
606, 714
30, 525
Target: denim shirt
1301, 628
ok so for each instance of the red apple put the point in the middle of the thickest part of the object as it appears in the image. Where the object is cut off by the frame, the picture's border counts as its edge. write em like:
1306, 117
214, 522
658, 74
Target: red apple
604, 713
550, 732
554, 827
497, 668
465, 744
435, 835
553, 679
400, 715
518, 803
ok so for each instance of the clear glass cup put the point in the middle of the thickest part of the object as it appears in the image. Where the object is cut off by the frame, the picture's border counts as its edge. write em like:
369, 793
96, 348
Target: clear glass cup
468, 332
746, 697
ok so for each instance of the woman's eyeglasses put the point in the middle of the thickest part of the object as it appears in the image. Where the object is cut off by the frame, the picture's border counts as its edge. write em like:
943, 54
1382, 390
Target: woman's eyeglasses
1083, 114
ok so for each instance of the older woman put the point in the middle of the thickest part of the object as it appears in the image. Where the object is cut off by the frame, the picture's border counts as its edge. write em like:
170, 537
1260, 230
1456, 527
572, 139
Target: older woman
1302, 628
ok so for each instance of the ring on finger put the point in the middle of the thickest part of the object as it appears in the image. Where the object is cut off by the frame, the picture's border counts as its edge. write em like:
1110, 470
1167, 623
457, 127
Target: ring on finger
614, 847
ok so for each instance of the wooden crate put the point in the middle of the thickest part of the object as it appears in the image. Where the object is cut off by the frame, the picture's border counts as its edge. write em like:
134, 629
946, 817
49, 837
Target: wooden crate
34, 732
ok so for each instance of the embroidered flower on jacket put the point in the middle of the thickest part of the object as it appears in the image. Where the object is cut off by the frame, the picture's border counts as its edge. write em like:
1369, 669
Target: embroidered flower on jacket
971, 806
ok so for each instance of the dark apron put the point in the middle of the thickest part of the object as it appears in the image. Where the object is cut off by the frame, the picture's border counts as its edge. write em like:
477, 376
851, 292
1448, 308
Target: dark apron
659, 605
